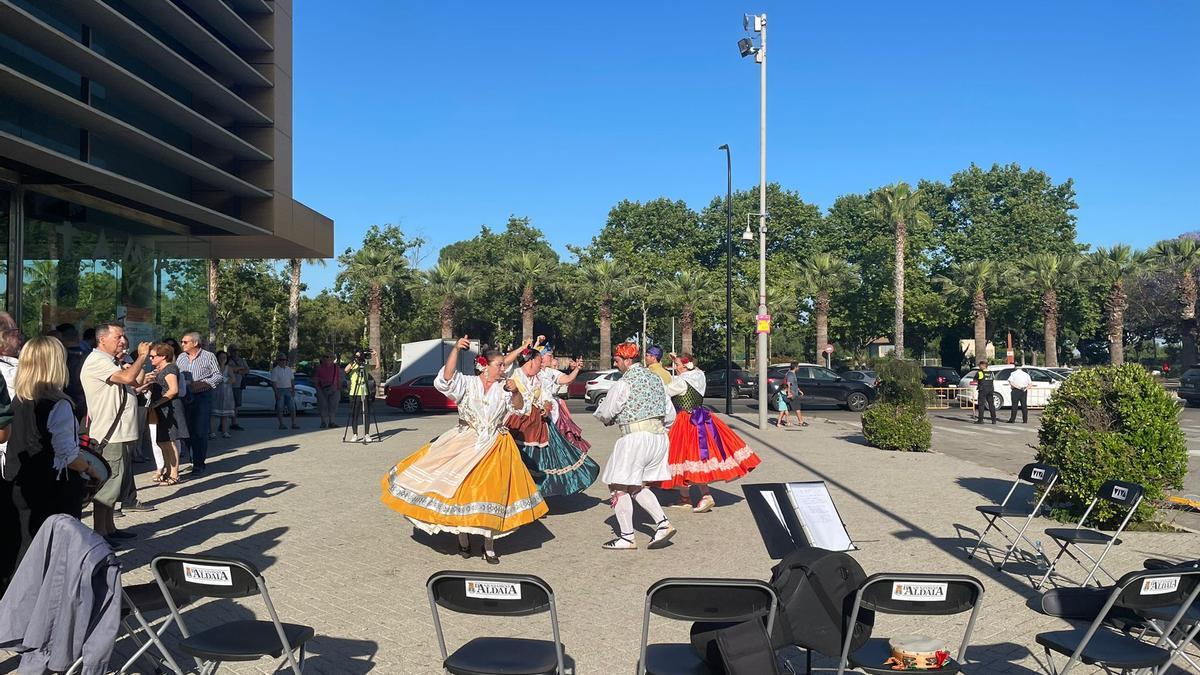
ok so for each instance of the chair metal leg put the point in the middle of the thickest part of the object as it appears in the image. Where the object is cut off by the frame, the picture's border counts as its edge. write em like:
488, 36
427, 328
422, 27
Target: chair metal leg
990, 525
1050, 569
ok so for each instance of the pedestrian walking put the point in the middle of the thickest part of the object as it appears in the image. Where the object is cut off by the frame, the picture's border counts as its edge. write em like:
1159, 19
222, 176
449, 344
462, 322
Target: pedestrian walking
240, 368
328, 379
794, 394
283, 383
108, 387
1020, 382
985, 388
198, 366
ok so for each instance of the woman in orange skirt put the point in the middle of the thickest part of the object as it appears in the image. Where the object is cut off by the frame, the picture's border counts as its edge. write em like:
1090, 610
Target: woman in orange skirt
469, 480
703, 449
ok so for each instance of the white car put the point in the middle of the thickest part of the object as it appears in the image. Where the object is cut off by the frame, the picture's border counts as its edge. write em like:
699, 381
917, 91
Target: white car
257, 395
597, 387
1044, 383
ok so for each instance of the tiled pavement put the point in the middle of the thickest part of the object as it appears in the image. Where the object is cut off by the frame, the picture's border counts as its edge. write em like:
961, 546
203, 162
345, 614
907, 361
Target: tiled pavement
305, 508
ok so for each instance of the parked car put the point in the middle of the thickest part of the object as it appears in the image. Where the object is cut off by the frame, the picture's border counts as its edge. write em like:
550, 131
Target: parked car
867, 377
822, 385
1065, 372
597, 388
416, 395
741, 384
258, 396
1044, 384
939, 376
578, 387
1189, 386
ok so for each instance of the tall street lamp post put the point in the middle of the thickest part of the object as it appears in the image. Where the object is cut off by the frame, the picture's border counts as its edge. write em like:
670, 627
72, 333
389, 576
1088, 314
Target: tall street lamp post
758, 22
728, 277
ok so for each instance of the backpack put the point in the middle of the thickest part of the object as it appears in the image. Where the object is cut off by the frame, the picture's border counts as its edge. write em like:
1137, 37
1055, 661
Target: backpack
816, 591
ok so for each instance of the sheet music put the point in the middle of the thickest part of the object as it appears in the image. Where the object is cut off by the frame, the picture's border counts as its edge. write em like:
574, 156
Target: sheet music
819, 516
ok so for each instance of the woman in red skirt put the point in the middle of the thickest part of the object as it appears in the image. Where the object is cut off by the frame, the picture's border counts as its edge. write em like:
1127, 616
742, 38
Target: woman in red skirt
703, 449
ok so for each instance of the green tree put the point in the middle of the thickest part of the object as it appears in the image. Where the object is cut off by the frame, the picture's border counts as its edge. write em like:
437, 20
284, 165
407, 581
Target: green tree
1113, 267
450, 281
973, 280
214, 298
689, 290
294, 265
605, 280
900, 205
1046, 273
531, 273
1181, 257
374, 269
821, 276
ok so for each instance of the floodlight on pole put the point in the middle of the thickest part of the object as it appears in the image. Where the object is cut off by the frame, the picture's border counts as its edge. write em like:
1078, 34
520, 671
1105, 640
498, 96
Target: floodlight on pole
758, 22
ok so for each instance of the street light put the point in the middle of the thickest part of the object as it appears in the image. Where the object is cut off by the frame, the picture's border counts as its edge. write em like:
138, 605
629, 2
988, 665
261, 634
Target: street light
758, 22
728, 276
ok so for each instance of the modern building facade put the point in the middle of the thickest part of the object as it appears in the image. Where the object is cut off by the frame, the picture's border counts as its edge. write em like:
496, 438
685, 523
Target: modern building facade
138, 139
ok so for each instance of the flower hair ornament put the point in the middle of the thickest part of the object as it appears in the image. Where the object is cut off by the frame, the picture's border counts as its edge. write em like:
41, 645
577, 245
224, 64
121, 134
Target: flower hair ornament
481, 363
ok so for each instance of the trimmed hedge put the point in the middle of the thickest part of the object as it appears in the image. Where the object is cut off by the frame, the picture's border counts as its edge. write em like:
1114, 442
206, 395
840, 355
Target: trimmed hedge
1111, 423
897, 421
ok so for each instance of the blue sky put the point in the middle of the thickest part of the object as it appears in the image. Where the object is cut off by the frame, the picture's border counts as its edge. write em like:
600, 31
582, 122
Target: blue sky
442, 117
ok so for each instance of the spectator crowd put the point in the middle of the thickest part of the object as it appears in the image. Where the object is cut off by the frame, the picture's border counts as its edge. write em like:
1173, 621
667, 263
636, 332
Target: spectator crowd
77, 411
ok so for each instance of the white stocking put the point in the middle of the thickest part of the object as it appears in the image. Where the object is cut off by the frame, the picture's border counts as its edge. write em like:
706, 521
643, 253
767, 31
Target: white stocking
623, 508
648, 501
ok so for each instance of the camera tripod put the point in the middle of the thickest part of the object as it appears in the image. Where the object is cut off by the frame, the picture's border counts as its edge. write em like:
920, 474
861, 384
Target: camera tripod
361, 405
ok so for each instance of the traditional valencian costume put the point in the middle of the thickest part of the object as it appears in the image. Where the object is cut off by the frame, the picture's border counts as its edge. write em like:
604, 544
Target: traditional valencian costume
703, 449
557, 466
471, 478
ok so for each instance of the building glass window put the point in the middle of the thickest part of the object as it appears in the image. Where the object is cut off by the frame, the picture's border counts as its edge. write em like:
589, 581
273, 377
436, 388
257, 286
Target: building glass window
85, 266
5, 200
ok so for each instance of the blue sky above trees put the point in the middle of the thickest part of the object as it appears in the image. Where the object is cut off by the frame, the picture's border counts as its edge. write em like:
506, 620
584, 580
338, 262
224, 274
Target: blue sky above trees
445, 118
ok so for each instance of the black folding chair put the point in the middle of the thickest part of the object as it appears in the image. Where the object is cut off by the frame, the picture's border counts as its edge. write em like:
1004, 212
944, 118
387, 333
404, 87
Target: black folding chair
492, 594
706, 600
136, 601
1040, 476
1118, 492
913, 595
1135, 593
200, 576
1157, 618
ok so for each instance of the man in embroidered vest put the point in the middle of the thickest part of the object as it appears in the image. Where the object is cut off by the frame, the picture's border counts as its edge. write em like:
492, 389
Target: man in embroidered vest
638, 402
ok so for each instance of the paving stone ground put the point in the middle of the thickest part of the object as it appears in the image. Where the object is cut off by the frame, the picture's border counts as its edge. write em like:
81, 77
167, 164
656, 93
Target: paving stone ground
304, 508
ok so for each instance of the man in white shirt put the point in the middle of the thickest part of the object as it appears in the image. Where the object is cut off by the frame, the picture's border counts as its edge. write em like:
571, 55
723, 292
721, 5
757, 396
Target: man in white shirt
1019, 380
283, 382
113, 411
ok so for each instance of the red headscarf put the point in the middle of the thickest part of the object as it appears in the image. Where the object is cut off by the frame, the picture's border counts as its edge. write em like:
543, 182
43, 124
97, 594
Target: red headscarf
627, 350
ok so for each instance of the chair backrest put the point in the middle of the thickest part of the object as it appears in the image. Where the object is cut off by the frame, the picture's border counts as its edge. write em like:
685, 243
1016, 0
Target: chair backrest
1039, 474
207, 576
1121, 492
1163, 587
706, 599
489, 593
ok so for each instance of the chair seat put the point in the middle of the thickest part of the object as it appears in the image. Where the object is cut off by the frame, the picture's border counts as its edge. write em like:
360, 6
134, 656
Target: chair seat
149, 598
1002, 511
871, 656
674, 659
1106, 647
503, 656
243, 641
1080, 536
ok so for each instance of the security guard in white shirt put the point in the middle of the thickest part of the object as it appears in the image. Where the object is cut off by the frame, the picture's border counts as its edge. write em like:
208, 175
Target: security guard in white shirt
1019, 380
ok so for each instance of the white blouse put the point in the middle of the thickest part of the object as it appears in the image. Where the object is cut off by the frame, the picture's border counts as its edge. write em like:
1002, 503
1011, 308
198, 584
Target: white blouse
694, 377
484, 412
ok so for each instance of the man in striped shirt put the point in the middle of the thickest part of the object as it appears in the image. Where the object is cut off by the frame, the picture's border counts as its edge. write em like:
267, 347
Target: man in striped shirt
202, 375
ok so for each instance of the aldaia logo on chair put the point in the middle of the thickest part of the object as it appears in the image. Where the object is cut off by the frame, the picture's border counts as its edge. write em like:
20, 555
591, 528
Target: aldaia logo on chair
209, 575
1159, 585
493, 590
919, 591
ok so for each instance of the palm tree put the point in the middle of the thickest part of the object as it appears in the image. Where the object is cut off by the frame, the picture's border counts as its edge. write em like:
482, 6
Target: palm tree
689, 290
530, 271
1181, 257
214, 266
821, 275
375, 268
450, 280
1045, 272
1113, 266
900, 206
294, 306
973, 280
605, 280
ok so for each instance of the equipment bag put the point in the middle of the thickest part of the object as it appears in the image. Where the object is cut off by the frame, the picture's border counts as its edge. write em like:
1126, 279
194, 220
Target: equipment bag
816, 591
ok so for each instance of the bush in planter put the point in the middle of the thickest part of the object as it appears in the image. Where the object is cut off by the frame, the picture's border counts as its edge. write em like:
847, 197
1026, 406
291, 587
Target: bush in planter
897, 421
1111, 423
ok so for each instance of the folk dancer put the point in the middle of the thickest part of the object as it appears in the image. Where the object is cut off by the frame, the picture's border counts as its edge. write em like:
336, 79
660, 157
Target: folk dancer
654, 355
638, 402
703, 448
470, 479
557, 466
553, 378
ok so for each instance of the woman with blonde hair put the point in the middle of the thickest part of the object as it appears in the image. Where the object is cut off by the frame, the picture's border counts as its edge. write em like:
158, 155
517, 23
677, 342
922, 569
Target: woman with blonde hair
168, 425
43, 458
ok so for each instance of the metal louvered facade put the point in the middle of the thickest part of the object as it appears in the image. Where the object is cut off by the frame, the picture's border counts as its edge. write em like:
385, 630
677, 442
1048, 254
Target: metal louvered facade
171, 116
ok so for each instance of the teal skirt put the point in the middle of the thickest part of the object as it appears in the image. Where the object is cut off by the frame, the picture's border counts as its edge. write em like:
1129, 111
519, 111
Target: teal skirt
559, 468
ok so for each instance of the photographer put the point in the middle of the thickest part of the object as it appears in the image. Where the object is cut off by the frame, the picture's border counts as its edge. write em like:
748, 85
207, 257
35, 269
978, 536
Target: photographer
362, 393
